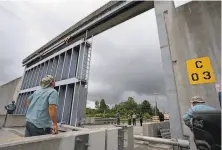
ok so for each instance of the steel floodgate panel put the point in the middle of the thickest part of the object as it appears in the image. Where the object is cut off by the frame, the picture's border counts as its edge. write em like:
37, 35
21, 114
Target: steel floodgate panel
40, 75
68, 65
54, 66
62, 91
82, 102
18, 101
74, 61
24, 80
60, 65
74, 107
36, 76
45, 69
68, 104
49, 66
21, 104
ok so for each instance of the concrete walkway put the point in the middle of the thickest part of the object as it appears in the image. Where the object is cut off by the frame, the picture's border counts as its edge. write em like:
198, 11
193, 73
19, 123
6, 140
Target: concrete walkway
6, 136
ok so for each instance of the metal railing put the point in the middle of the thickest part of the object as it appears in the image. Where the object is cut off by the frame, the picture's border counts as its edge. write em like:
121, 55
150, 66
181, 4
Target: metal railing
174, 142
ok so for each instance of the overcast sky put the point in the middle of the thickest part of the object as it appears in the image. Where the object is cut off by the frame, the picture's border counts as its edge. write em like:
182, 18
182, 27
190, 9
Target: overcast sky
125, 62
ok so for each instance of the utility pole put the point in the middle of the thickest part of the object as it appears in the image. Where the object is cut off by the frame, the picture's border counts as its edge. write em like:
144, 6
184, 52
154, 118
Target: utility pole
155, 103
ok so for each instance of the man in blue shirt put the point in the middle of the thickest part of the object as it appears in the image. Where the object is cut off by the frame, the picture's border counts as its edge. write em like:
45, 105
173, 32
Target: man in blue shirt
11, 108
41, 112
197, 104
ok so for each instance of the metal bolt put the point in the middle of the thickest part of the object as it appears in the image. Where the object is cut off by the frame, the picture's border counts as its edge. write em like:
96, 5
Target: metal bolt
86, 144
78, 140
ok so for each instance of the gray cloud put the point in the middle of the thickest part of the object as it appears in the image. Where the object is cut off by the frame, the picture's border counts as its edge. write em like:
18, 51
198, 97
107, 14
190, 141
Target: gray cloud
125, 59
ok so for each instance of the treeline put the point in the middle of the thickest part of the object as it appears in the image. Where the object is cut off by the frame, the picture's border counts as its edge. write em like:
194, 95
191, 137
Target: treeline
124, 108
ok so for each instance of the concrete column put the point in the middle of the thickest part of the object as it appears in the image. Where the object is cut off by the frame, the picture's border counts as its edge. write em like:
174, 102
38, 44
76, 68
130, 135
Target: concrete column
173, 102
193, 31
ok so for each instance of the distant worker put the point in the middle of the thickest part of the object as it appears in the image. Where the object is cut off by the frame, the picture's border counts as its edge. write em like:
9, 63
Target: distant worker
134, 119
197, 104
11, 108
41, 111
141, 119
129, 119
161, 117
118, 118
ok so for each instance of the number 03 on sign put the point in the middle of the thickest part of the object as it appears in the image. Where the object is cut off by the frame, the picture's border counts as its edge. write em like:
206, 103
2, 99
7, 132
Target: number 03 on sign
200, 71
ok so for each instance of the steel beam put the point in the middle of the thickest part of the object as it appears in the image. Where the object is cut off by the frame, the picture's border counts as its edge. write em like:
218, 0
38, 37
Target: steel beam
106, 17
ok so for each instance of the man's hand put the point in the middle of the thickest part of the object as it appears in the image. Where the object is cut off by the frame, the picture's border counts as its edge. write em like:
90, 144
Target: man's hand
52, 113
55, 129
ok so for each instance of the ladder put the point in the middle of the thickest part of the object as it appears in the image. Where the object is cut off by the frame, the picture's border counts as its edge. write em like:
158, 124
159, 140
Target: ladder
88, 65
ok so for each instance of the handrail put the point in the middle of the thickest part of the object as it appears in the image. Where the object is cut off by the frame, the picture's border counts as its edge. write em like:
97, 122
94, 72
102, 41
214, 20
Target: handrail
72, 127
174, 142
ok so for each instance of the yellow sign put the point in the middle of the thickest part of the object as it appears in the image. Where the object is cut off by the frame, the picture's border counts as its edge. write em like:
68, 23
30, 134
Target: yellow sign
200, 71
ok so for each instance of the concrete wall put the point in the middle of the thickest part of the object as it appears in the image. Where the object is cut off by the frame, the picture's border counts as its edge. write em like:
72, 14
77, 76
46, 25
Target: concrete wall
98, 139
94, 120
9, 92
13, 120
187, 32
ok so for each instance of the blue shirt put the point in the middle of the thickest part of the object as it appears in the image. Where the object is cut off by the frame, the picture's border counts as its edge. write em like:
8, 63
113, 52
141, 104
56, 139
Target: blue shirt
199, 107
37, 112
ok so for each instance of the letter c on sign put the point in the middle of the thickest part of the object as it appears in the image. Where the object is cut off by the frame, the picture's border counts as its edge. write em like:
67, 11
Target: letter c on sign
198, 64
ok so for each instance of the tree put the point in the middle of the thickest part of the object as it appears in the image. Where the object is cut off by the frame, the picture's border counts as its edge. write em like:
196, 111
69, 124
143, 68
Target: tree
97, 104
146, 107
128, 107
131, 104
102, 106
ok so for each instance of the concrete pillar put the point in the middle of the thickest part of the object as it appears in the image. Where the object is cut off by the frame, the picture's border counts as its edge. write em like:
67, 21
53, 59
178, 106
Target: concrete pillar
173, 102
193, 31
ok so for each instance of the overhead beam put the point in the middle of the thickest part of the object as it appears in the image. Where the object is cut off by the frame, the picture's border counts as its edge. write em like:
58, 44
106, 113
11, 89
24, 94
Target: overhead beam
106, 17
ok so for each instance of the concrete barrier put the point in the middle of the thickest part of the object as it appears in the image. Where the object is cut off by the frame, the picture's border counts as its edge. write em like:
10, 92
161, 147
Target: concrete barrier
9, 92
13, 120
152, 129
98, 139
98, 121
